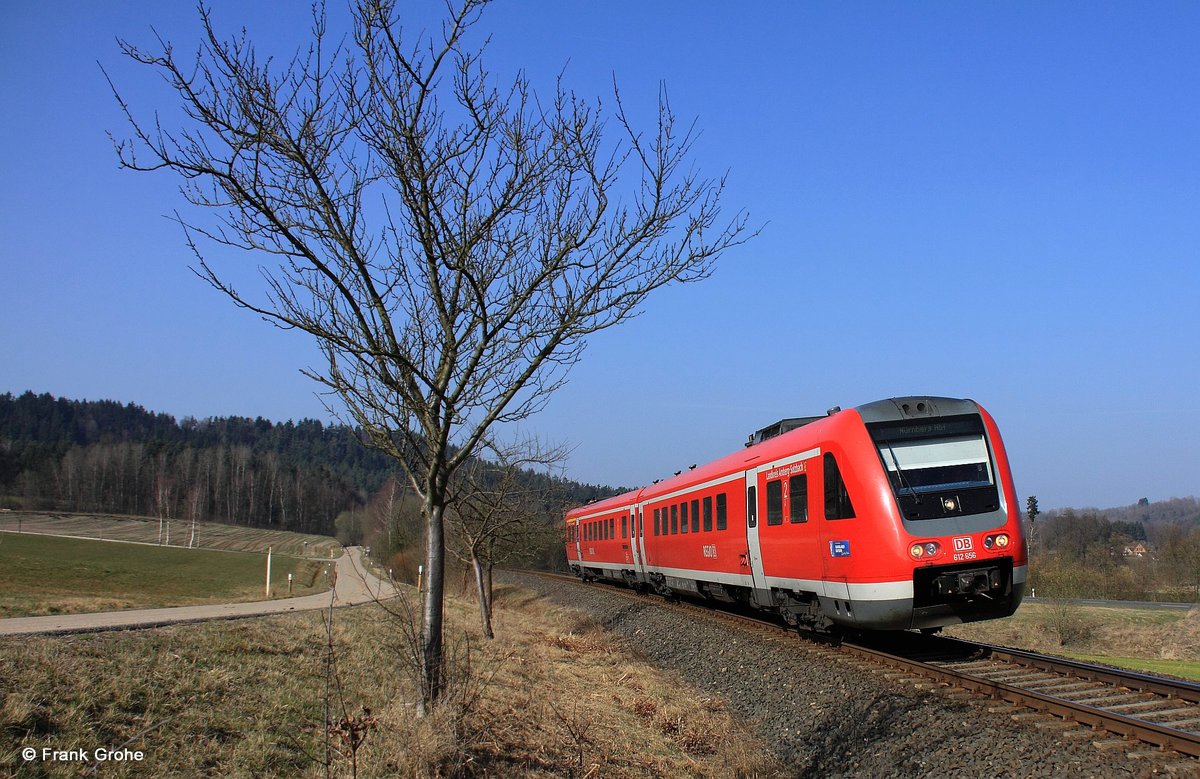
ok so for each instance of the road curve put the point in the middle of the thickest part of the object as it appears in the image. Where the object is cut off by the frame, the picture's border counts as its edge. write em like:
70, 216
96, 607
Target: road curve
353, 584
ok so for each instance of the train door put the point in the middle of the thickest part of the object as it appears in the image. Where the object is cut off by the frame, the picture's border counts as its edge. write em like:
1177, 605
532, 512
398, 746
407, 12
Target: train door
837, 524
635, 542
578, 542
753, 548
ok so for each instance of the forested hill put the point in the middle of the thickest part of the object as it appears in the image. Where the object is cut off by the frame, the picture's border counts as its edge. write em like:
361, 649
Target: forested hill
80, 455
104, 456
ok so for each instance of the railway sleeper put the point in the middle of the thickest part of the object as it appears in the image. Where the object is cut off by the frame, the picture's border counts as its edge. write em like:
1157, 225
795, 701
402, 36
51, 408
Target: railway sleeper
1173, 712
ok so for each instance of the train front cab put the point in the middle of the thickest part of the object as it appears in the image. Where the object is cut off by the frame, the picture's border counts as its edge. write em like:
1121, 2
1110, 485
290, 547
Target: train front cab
952, 493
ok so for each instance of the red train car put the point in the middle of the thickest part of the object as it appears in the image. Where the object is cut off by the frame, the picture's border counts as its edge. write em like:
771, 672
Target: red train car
893, 515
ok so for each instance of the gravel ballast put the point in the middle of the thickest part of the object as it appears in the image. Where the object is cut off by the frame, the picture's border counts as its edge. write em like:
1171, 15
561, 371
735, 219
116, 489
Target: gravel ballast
824, 714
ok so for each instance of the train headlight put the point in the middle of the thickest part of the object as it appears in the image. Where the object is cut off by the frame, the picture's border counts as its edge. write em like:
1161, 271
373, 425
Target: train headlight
927, 549
998, 541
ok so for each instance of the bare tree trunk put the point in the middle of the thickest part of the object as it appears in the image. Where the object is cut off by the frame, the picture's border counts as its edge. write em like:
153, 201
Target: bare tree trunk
490, 591
485, 597
431, 607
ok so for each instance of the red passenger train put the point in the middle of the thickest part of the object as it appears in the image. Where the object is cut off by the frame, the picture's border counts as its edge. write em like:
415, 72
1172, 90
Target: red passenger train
894, 515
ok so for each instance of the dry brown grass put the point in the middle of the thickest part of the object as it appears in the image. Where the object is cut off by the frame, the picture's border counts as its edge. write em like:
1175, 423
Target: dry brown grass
553, 695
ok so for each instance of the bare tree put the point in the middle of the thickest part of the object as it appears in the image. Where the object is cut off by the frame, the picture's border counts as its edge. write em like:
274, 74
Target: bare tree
448, 241
497, 517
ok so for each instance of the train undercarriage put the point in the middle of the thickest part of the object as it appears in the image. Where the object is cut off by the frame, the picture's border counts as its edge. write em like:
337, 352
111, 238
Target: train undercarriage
941, 595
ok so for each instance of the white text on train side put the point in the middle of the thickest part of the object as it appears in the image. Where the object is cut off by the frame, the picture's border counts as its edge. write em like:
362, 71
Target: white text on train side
786, 470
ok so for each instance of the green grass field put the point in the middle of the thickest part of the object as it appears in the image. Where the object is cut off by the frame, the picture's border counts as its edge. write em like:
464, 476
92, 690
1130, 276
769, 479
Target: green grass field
150, 530
50, 575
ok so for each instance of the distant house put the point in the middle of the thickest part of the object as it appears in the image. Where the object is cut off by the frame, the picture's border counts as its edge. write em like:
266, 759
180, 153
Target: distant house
1136, 550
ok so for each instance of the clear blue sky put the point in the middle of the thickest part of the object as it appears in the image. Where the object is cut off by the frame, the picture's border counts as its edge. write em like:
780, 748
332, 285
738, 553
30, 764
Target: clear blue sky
992, 200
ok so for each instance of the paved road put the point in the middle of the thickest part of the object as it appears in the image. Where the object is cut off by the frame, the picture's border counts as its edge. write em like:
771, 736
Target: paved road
1117, 604
353, 584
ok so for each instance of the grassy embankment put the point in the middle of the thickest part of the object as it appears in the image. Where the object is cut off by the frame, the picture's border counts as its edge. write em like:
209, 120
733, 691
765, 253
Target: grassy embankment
1151, 640
553, 695
50, 575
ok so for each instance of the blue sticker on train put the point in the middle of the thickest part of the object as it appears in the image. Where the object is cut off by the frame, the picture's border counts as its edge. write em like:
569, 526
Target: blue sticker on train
839, 548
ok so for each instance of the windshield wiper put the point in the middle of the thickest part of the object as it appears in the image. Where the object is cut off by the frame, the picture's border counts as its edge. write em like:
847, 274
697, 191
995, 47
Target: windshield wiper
900, 473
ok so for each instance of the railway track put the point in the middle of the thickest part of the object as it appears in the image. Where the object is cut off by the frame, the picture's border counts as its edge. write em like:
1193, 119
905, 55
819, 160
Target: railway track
1155, 710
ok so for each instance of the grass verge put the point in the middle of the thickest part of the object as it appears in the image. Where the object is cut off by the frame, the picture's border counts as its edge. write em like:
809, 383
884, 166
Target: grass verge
50, 575
1157, 641
553, 695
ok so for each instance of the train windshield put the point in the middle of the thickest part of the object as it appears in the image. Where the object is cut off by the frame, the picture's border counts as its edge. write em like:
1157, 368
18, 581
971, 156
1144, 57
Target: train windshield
934, 456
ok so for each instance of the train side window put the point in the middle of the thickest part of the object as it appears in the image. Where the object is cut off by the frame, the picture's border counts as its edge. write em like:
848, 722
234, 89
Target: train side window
775, 502
798, 496
612, 527
656, 522
674, 519
683, 517
624, 526
751, 506
696, 516
837, 499
722, 511
708, 514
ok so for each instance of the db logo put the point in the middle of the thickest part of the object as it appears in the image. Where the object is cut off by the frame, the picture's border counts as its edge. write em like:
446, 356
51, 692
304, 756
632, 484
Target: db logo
962, 544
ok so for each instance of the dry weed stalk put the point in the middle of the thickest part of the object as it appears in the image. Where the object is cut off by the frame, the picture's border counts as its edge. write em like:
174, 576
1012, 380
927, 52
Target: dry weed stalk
577, 729
349, 730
